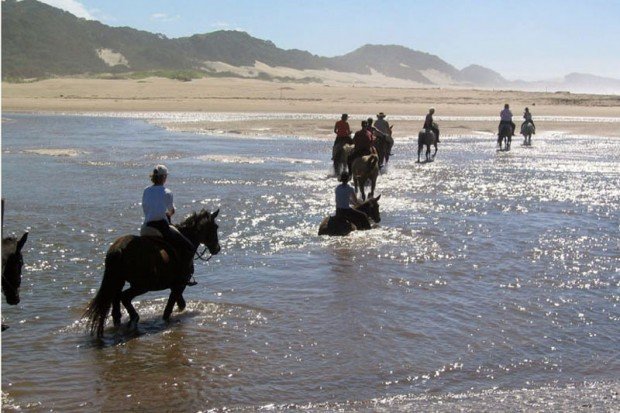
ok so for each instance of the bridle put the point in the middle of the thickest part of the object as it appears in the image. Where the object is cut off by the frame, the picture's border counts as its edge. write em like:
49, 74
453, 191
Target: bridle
201, 255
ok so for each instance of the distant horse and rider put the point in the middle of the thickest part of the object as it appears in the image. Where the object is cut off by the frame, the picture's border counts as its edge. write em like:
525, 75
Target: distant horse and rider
428, 136
527, 128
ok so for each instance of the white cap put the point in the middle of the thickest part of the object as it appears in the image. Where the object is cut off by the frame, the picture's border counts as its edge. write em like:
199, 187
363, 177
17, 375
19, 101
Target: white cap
160, 170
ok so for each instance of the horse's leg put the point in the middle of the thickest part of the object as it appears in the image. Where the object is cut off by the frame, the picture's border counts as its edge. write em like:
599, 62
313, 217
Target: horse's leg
175, 294
419, 152
428, 153
116, 310
181, 304
373, 183
126, 297
172, 299
363, 189
435, 153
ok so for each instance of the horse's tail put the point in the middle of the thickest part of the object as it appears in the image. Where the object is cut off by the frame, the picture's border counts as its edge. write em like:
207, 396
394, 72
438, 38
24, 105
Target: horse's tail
98, 309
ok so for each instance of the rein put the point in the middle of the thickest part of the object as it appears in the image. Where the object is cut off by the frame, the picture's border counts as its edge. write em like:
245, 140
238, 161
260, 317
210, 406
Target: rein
200, 256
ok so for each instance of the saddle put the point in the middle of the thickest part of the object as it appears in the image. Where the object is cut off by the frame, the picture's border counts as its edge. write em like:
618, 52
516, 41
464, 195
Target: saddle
166, 249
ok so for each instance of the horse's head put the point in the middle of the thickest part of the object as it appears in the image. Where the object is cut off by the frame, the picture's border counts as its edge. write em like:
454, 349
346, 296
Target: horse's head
207, 230
371, 208
12, 263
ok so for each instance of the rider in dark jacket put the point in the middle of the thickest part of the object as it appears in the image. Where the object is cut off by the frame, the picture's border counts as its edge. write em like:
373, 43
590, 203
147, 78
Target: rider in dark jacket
430, 124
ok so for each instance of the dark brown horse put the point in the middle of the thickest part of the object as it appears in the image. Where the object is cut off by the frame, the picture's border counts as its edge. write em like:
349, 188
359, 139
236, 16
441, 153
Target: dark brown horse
147, 264
337, 226
427, 137
504, 136
12, 263
383, 145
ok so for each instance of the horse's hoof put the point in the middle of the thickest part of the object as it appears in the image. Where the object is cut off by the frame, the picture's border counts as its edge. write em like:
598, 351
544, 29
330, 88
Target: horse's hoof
133, 323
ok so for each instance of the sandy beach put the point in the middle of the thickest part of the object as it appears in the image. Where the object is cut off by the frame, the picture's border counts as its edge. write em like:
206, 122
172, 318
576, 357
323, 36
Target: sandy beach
589, 114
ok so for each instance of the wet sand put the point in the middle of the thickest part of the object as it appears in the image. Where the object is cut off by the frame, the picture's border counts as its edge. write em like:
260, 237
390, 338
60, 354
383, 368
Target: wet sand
247, 95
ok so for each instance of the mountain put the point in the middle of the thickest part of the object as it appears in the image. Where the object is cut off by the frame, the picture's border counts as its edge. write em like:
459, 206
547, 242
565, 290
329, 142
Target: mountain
40, 41
481, 76
584, 82
573, 82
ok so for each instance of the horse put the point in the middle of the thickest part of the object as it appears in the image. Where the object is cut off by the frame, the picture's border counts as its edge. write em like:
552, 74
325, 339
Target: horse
337, 226
363, 169
147, 264
427, 137
505, 136
341, 156
12, 263
527, 131
383, 145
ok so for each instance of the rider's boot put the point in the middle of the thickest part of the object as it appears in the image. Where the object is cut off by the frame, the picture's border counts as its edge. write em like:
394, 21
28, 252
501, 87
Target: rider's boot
191, 281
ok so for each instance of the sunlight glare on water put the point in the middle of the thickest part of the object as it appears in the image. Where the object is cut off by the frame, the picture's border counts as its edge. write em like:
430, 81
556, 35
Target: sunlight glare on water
492, 277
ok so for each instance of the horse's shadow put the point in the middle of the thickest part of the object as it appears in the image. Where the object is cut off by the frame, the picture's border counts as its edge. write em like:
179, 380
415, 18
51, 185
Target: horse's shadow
124, 334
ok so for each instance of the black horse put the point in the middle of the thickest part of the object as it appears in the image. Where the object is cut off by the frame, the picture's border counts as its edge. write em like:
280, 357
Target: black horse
504, 136
147, 264
336, 226
383, 145
427, 137
12, 263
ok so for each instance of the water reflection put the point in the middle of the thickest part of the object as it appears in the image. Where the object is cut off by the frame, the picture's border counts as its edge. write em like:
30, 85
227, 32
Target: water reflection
489, 270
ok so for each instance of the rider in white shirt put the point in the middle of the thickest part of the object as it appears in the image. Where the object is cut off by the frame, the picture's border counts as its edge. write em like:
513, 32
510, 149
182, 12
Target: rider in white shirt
158, 207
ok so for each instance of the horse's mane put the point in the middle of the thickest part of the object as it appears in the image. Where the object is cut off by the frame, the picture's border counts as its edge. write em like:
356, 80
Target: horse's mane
194, 219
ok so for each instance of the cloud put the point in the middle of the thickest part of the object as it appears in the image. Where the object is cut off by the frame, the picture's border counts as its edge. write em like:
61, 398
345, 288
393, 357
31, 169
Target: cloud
163, 17
72, 6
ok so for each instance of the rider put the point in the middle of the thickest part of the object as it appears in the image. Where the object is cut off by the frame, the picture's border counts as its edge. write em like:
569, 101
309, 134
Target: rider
158, 207
528, 118
429, 124
382, 127
343, 134
506, 117
345, 196
363, 144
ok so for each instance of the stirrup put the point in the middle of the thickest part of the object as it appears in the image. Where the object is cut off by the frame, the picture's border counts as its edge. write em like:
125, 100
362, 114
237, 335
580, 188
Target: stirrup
192, 281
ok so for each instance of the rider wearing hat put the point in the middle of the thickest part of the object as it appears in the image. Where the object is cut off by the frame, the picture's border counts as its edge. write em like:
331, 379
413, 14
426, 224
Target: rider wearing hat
158, 208
382, 127
343, 134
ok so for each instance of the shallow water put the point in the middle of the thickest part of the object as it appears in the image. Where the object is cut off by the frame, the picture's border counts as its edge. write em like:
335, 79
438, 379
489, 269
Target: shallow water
490, 272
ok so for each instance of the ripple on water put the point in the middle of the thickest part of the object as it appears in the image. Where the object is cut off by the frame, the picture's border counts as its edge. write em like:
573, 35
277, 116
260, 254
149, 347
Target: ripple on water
488, 270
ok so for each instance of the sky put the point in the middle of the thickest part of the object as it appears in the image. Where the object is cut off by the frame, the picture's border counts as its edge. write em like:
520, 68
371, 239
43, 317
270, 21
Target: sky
525, 39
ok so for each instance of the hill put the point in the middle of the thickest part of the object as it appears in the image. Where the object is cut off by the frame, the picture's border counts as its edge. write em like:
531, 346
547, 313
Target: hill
40, 41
